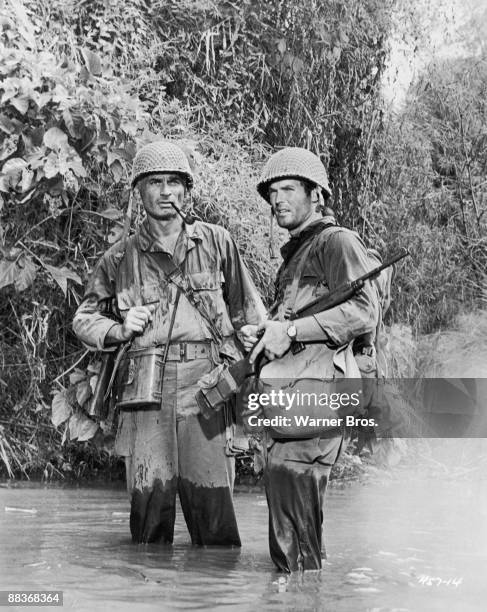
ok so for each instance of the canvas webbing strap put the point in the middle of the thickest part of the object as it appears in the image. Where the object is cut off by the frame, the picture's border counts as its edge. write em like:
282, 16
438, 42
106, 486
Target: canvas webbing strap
175, 275
291, 294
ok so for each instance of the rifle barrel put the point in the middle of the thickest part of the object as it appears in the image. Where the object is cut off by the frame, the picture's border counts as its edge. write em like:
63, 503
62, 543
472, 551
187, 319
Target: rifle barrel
389, 262
346, 291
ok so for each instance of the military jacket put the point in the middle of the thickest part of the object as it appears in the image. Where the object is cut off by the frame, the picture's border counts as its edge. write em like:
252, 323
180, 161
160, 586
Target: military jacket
211, 262
337, 255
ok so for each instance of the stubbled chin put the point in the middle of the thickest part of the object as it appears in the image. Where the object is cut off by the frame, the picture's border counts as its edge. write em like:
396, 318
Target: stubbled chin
283, 218
164, 215
284, 221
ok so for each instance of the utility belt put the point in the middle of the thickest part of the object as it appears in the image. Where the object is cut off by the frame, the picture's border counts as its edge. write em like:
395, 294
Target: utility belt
140, 373
184, 351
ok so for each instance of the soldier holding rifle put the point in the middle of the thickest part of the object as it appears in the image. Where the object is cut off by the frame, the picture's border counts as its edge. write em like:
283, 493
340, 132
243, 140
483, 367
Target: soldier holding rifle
319, 258
181, 293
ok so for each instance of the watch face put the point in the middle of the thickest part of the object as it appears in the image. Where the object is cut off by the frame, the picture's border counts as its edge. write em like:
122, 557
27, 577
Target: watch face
292, 331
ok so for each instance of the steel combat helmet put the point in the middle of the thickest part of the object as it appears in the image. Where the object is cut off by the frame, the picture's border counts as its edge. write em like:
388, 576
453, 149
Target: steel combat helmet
161, 156
293, 162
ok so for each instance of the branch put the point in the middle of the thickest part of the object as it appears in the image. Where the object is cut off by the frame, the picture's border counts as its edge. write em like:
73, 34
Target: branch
72, 367
469, 171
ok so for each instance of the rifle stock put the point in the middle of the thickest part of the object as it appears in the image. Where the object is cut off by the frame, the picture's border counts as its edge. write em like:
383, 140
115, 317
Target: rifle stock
98, 407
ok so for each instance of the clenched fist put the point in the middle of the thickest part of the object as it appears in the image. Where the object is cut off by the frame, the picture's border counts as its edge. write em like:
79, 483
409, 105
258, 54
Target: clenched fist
135, 322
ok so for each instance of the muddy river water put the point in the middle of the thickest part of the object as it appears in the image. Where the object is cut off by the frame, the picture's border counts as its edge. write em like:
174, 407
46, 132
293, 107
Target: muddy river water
404, 542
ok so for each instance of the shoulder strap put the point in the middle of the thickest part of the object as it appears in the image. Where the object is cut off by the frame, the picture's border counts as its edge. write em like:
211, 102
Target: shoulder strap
329, 230
175, 275
169, 333
292, 293
137, 273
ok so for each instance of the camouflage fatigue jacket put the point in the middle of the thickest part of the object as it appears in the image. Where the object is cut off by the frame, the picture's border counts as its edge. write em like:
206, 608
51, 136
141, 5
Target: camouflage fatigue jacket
337, 255
211, 262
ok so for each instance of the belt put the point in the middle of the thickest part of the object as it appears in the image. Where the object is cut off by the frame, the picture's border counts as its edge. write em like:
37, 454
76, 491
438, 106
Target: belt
187, 351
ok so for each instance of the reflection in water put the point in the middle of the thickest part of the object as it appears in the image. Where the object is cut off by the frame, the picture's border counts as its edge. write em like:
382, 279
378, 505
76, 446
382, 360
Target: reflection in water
402, 543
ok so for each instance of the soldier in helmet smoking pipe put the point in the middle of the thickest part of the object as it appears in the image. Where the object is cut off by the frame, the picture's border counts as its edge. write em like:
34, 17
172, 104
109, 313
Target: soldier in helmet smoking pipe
182, 293
319, 257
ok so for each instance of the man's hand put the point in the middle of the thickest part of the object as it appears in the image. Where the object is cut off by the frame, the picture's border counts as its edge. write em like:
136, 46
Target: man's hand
135, 322
247, 335
275, 341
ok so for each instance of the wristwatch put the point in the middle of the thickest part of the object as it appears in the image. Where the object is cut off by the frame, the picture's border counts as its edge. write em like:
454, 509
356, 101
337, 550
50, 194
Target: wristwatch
292, 332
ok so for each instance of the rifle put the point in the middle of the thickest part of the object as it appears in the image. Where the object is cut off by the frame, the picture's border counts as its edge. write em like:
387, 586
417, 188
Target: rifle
99, 405
219, 385
98, 409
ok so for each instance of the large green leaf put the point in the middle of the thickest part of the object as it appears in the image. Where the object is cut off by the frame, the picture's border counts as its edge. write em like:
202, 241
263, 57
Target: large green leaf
11, 173
10, 126
20, 272
51, 166
27, 271
74, 123
74, 162
55, 139
61, 410
77, 376
21, 103
83, 392
92, 61
81, 427
27, 180
8, 273
117, 171
8, 146
61, 276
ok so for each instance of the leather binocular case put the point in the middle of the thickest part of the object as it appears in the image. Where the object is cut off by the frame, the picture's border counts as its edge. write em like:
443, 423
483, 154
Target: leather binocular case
139, 379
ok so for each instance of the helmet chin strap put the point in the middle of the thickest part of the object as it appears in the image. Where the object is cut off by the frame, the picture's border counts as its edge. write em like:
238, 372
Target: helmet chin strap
272, 248
320, 201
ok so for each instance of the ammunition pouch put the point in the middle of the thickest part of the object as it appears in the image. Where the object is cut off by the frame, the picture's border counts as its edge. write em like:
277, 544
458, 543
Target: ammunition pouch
216, 388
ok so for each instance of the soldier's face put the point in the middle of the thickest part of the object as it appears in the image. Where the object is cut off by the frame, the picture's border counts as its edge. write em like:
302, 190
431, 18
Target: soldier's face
158, 191
290, 203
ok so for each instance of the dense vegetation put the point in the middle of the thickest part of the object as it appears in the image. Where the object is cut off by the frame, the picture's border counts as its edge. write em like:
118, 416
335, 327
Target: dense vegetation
84, 83
433, 166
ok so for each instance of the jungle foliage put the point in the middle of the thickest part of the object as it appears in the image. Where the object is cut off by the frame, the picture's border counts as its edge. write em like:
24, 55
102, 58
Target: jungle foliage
432, 195
84, 83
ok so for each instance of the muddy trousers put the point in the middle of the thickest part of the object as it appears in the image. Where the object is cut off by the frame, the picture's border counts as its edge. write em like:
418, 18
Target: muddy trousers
296, 477
206, 499
167, 455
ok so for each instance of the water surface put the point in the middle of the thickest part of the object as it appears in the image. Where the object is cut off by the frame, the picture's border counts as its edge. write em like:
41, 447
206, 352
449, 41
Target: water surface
403, 542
